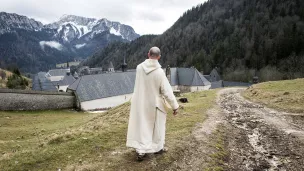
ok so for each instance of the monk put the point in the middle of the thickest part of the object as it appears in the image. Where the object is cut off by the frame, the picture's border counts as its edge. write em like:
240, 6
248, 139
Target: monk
147, 122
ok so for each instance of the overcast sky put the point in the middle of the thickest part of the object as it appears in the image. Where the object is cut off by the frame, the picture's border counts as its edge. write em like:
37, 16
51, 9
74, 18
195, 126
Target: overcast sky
146, 17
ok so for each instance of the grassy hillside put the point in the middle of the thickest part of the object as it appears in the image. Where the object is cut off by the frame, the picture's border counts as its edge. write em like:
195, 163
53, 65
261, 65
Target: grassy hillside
284, 95
81, 141
3, 82
8, 73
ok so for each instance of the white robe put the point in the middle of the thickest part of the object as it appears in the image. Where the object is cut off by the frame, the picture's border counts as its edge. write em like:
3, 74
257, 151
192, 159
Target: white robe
147, 122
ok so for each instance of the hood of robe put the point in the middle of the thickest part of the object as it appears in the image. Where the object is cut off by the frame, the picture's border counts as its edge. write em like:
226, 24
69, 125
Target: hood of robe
150, 65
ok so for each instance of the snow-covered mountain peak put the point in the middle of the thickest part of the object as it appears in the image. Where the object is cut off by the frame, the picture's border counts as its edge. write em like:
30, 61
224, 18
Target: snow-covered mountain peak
76, 19
11, 21
71, 28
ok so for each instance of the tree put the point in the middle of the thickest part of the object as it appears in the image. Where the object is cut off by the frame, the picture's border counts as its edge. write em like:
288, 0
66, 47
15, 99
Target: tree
2, 75
252, 35
17, 72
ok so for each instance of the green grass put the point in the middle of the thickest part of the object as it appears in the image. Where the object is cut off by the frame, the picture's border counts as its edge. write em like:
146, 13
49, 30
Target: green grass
283, 95
219, 143
81, 141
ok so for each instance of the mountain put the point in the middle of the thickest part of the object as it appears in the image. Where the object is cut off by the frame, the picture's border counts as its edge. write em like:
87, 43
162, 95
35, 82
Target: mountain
87, 35
240, 37
35, 47
10, 22
70, 28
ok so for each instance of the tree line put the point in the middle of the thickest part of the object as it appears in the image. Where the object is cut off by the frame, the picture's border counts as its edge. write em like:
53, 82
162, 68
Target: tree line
243, 38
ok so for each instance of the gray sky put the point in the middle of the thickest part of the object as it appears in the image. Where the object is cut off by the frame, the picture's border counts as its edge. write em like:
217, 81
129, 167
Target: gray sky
146, 17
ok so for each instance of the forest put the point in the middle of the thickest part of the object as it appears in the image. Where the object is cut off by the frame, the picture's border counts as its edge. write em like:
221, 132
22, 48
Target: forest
242, 38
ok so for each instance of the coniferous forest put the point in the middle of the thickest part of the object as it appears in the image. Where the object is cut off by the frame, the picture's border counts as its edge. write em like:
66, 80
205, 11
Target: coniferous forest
243, 38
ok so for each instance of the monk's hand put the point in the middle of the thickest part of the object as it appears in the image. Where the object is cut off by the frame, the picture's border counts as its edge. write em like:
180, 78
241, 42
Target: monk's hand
175, 111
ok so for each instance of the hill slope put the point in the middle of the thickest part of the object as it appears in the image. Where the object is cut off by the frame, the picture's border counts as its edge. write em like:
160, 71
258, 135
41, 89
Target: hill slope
232, 35
285, 95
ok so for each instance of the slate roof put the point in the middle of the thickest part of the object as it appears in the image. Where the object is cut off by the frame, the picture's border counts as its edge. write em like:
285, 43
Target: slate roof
58, 72
208, 77
214, 75
92, 87
41, 83
67, 80
187, 77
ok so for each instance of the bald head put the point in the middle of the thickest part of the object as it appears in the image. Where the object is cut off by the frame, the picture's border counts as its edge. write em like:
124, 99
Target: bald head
154, 52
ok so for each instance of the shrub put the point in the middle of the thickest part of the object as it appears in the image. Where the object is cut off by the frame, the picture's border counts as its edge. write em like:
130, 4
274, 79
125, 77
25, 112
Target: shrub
16, 81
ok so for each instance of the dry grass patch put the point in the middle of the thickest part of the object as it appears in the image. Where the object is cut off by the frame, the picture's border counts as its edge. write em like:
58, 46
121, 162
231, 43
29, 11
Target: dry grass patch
283, 95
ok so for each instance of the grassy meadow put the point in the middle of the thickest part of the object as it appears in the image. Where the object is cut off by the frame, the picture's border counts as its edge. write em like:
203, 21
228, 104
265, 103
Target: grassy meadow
285, 95
70, 140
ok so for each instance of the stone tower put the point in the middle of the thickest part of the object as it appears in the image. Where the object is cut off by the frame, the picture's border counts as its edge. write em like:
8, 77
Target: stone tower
111, 67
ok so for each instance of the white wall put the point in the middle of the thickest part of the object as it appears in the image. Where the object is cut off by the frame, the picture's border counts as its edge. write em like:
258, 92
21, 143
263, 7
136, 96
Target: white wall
199, 88
106, 102
55, 78
174, 87
63, 88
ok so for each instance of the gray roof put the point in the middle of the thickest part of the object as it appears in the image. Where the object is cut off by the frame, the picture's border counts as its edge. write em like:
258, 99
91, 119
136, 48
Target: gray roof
58, 72
41, 83
214, 75
75, 84
187, 77
207, 77
92, 87
67, 80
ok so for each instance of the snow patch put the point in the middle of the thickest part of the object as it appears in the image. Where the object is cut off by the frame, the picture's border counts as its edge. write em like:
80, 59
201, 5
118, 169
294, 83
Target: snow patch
78, 46
115, 32
52, 44
80, 28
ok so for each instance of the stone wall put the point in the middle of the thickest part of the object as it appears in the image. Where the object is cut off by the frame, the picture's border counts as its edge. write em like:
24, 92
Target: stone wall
35, 100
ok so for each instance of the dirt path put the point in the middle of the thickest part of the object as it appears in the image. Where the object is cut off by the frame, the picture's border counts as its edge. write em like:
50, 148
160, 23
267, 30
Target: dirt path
256, 138
261, 138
